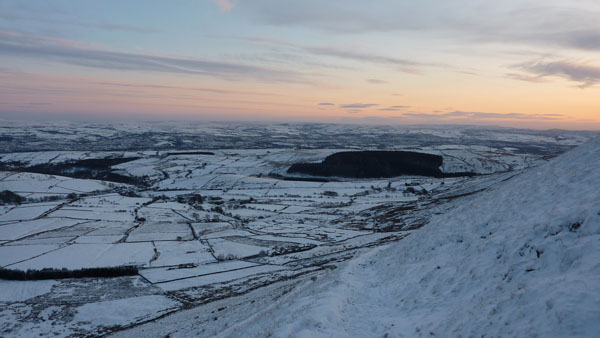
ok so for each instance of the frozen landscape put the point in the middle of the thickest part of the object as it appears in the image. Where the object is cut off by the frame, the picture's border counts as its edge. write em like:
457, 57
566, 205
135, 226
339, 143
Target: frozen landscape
221, 239
268, 168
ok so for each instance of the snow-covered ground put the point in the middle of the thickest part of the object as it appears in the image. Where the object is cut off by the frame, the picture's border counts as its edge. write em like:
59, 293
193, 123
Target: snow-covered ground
519, 260
254, 231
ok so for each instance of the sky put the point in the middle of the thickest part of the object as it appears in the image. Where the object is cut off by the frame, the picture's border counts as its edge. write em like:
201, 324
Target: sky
531, 64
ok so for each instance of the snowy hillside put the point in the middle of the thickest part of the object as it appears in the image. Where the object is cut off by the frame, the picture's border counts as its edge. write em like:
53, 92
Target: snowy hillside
521, 260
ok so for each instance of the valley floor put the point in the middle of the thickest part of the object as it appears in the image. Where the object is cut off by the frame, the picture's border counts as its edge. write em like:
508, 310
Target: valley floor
225, 246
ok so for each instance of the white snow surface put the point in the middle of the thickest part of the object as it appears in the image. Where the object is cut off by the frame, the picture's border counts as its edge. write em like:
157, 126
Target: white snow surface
123, 311
14, 291
508, 262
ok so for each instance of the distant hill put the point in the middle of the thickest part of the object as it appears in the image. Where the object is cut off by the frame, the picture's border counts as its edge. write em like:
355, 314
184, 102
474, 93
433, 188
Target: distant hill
375, 164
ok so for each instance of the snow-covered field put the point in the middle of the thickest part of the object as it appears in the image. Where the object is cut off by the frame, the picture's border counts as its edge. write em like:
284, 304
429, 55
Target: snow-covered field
521, 259
206, 229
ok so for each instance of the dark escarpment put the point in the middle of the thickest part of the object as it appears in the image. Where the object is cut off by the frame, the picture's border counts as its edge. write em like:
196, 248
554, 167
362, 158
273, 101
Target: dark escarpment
375, 164
95, 169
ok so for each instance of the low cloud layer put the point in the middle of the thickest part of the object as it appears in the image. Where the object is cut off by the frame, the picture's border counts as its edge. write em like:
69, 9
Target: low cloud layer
358, 105
395, 108
585, 74
458, 114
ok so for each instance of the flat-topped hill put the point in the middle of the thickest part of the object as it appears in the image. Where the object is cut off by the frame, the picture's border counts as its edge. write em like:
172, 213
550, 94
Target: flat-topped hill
374, 164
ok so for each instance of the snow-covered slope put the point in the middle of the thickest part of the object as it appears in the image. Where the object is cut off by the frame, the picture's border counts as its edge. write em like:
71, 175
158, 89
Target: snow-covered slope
520, 260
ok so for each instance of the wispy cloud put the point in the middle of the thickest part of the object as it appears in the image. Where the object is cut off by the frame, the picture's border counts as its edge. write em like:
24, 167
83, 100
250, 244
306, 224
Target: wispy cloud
73, 53
360, 56
358, 105
326, 104
404, 65
585, 73
395, 108
345, 53
179, 88
570, 25
524, 77
376, 81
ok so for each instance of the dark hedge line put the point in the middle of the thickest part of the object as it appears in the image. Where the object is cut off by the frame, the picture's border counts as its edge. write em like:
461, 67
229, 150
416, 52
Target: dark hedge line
191, 153
96, 169
65, 273
9, 197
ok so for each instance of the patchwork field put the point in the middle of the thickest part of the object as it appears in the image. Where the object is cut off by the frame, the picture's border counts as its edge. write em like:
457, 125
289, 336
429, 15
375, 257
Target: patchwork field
201, 226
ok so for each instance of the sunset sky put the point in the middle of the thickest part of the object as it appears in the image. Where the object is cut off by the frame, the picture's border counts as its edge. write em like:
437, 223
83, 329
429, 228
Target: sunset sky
533, 64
